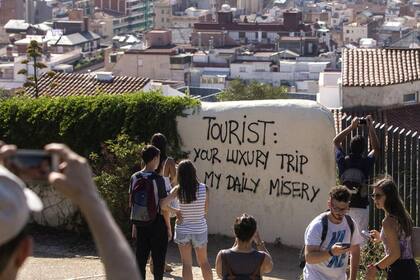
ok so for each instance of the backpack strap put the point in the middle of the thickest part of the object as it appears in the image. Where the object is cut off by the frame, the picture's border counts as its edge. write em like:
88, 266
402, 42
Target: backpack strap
324, 222
225, 263
257, 271
351, 225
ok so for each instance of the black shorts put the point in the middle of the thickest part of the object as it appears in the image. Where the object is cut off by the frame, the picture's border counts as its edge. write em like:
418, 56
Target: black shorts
403, 270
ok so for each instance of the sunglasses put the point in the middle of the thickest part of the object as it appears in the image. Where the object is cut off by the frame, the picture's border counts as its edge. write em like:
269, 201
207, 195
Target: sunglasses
339, 210
376, 195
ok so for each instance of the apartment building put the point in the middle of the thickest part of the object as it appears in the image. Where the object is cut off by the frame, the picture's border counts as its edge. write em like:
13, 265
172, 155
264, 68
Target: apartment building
129, 15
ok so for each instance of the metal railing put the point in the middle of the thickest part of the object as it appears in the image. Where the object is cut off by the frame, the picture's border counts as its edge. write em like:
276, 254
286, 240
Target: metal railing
398, 157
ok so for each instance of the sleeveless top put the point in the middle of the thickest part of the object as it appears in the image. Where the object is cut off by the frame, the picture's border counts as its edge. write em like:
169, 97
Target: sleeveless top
242, 264
194, 214
174, 203
405, 244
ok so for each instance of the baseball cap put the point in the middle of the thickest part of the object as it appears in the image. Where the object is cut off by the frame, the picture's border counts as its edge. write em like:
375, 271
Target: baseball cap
16, 204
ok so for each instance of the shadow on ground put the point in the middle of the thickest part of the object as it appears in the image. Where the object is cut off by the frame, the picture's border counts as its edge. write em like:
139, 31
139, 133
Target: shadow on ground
50, 243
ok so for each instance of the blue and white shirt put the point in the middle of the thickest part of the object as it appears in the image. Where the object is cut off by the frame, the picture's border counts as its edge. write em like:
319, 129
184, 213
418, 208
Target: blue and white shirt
194, 214
335, 267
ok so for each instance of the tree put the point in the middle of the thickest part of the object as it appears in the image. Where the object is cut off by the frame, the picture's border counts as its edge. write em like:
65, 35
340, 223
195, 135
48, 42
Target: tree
238, 90
34, 54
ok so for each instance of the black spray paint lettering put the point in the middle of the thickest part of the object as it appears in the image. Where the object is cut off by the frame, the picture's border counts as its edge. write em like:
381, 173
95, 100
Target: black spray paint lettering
242, 184
206, 154
294, 189
235, 132
293, 162
239, 157
212, 179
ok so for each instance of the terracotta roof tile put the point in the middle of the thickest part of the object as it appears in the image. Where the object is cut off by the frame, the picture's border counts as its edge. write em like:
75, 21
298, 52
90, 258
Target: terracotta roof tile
63, 84
380, 67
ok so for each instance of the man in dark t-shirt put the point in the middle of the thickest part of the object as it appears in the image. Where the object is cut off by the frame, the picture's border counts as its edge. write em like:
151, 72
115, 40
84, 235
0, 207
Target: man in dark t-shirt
354, 168
153, 236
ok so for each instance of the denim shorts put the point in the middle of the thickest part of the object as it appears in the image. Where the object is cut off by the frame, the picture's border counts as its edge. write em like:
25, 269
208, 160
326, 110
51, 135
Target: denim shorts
197, 240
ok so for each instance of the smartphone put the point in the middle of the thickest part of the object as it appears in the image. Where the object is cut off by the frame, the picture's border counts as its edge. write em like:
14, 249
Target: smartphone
362, 121
32, 166
344, 245
365, 234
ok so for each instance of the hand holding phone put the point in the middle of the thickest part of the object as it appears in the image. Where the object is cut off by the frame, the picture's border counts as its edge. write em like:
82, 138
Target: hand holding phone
343, 245
366, 234
32, 166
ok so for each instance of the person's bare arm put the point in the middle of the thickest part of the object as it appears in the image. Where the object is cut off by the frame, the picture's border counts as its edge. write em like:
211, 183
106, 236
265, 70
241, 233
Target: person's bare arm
267, 265
314, 254
373, 137
75, 181
219, 265
354, 261
339, 138
172, 173
390, 226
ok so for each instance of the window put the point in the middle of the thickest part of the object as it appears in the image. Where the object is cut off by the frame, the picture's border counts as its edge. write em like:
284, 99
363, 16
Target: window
242, 69
241, 34
264, 35
409, 98
347, 31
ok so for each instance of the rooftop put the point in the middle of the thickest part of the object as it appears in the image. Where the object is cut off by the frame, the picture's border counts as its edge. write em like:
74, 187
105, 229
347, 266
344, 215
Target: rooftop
63, 84
380, 67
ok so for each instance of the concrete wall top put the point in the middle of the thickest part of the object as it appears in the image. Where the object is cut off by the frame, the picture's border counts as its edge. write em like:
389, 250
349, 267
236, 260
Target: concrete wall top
273, 159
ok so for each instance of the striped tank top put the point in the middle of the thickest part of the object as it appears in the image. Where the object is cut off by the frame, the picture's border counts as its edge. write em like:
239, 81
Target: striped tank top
193, 214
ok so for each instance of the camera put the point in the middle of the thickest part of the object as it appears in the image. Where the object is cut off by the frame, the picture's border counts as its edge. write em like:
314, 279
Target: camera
32, 166
362, 121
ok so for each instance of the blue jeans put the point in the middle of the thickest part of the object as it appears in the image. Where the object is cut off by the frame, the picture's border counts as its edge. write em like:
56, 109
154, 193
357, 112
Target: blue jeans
197, 240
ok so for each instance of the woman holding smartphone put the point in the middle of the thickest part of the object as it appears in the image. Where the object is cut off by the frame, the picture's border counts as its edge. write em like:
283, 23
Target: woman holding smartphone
396, 232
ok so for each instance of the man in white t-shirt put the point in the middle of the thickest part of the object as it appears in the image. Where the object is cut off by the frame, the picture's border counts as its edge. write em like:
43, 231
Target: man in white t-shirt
329, 239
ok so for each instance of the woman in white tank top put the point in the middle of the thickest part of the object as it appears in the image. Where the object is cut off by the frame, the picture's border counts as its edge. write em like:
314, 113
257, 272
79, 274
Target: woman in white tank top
191, 227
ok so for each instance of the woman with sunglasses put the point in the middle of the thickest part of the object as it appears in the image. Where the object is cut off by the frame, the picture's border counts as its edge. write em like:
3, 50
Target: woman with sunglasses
397, 227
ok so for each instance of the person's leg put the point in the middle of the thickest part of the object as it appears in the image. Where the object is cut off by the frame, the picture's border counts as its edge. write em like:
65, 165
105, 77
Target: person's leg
167, 217
200, 246
361, 217
185, 251
142, 250
159, 244
203, 262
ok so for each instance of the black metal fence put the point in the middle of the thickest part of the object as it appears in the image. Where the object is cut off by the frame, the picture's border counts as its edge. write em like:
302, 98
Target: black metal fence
398, 157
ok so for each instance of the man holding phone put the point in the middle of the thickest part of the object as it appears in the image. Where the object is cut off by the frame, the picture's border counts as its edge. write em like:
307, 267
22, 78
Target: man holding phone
355, 168
329, 239
74, 180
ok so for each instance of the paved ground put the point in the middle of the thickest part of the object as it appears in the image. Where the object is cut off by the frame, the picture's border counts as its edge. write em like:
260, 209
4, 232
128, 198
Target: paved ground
66, 256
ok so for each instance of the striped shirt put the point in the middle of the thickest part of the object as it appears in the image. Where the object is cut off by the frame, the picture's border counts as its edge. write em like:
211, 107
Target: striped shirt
193, 214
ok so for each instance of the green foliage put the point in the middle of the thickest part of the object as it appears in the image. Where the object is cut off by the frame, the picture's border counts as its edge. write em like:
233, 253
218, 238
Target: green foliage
371, 254
33, 52
84, 123
238, 90
113, 167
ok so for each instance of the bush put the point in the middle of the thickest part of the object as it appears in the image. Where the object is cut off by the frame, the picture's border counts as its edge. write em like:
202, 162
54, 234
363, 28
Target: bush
371, 253
113, 167
84, 123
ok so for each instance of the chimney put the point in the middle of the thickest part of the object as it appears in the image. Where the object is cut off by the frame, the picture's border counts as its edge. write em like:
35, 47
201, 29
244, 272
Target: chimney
85, 24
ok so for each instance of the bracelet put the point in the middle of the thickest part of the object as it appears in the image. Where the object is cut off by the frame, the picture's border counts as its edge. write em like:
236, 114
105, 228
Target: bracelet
330, 252
378, 268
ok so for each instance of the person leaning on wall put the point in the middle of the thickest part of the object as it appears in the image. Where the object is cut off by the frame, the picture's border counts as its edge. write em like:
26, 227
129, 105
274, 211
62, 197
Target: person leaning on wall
74, 180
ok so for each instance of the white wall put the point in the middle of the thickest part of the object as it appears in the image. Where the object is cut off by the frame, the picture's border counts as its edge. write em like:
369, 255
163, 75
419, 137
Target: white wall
329, 89
261, 134
378, 96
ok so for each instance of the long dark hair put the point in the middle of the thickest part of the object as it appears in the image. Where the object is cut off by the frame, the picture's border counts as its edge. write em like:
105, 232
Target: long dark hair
159, 141
394, 205
188, 182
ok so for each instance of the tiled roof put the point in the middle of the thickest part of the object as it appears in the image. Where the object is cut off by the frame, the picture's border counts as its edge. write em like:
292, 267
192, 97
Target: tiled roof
63, 84
380, 67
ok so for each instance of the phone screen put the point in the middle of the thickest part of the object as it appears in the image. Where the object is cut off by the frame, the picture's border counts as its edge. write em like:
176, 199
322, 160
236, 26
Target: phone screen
32, 166
344, 245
